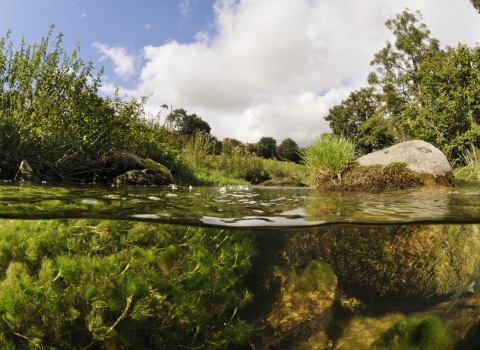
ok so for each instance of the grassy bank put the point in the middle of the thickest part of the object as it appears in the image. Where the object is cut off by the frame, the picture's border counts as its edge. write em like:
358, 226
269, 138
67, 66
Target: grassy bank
203, 166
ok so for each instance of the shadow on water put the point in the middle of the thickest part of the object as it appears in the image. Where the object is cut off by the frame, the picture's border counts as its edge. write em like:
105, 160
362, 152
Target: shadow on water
238, 268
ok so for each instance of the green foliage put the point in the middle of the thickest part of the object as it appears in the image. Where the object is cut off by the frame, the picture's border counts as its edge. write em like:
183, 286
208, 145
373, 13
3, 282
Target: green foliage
187, 124
425, 333
417, 92
328, 153
51, 115
397, 65
74, 284
450, 116
267, 147
289, 150
358, 118
476, 4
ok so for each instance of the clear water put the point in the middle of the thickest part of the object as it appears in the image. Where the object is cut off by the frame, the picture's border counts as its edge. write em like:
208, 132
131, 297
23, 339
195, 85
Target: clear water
329, 271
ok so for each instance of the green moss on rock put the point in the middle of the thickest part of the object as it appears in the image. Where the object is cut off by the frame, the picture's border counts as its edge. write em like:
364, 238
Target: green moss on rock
408, 262
147, 163
372, 178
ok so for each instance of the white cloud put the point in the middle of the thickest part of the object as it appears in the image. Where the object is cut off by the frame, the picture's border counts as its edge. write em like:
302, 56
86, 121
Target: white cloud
123, 62
275, 67
83, 15
147, 26
186, 7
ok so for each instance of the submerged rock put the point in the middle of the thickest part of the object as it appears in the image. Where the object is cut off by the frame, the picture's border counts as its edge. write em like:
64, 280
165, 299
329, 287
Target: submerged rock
405, 262
25, 173
362, 331
301, 302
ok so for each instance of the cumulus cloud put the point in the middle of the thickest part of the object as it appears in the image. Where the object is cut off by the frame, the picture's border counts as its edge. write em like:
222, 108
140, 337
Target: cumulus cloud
123, 62
275, 67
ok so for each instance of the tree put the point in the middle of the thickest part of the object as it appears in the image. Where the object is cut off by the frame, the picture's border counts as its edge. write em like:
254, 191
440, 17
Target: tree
476, 4
192, 124
396, 76
267, 147
359, 119
175, 119
450, 115
187, 124
289, 150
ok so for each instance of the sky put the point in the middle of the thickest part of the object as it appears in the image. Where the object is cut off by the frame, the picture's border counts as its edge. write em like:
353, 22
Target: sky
250, 68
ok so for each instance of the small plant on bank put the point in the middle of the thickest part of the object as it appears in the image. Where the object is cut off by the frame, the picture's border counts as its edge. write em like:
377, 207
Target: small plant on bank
328, 154
471, 170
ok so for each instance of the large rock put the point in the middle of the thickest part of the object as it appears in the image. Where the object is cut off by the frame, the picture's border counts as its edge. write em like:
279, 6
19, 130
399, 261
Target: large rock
145, 177
300, 301
25, 173
415, 263
123, 161
421, 157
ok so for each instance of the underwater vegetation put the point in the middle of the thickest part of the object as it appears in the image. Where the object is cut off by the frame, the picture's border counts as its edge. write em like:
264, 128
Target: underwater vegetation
423, 333
79, 284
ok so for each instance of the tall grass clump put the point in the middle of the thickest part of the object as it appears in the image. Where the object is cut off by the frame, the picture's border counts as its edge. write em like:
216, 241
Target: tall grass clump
328, 153
471, 170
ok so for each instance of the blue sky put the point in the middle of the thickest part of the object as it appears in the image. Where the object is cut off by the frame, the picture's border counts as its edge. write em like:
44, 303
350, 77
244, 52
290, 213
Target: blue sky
128, 24
250, 68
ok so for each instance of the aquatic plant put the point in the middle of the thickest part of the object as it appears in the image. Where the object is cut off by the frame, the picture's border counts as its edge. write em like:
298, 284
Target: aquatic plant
423, 333
330, 154
85, 283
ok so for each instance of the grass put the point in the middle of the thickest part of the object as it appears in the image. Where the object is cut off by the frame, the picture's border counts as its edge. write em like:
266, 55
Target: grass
233, 166
471, 171
328, 153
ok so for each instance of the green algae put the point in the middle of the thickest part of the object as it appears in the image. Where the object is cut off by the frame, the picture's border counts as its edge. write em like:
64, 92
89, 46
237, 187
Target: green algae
423, 333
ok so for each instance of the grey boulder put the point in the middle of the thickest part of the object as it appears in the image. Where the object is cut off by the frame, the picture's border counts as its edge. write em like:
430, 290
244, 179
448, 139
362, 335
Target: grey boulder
421, 157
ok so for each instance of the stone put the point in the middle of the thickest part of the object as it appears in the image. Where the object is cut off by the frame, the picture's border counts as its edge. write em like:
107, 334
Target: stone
409, 263
145, 177
421, 157
25, 173
300, 302
123, 161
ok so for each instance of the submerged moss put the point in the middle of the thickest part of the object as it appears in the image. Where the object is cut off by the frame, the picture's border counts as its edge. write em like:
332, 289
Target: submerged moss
426, 333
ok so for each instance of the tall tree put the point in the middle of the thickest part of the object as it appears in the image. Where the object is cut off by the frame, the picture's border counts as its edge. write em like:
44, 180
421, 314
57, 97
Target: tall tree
267, 147
359, 119
289, 150
396, 76
187, 124
450, 117
193, 124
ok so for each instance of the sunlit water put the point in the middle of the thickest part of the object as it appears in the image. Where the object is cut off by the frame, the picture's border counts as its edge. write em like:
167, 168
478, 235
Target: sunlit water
396, 256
